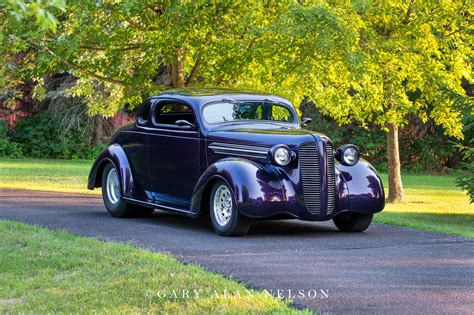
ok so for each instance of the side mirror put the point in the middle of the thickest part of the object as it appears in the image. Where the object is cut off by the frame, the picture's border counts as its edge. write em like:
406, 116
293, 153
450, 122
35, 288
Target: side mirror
306, 121
184, 123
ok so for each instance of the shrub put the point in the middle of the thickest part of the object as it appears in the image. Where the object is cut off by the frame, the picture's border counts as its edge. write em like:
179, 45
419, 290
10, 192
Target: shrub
465, 177
94, 152
7, 147
42, 136
465, 102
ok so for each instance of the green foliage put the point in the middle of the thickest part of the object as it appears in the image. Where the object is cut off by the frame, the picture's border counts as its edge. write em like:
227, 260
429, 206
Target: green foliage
425, 150
118, 48
465, 179
367, 61
371, 142
93, 153
42, 136
42, 11
7, 147
370, 62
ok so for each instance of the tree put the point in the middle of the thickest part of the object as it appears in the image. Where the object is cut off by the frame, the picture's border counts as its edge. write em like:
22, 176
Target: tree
119, 51
365, 61
372, 62
41, 11
38, 15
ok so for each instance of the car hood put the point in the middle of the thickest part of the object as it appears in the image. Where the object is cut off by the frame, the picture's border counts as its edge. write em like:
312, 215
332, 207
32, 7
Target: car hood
267, 135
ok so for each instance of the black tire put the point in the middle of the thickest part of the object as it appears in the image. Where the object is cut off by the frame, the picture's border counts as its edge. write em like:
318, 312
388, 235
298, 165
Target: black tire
120, 208
353, 222
236, 225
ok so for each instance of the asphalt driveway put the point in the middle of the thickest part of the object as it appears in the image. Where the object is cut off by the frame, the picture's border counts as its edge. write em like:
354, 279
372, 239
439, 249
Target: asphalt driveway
387, 269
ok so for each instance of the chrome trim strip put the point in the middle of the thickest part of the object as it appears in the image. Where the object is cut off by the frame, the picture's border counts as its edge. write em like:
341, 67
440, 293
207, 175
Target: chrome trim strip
215, 148
235, 145
158, 134
157, 206
240, 154
237, 149
168, 130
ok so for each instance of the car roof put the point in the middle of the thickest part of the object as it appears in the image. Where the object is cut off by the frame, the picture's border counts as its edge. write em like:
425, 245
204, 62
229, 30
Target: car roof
200, 97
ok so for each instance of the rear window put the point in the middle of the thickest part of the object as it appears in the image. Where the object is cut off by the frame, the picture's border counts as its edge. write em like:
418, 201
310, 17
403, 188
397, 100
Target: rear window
169, 113
215, 113
174, 109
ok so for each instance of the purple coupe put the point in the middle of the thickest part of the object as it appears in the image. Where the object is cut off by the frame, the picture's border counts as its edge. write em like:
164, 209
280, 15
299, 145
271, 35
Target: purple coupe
239, 156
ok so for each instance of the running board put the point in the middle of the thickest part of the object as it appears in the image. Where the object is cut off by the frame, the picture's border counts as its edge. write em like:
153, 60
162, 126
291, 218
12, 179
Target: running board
161, 207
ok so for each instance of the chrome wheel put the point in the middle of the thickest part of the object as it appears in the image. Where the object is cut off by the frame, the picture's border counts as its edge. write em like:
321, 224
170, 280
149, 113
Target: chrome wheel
113, 186
222, 205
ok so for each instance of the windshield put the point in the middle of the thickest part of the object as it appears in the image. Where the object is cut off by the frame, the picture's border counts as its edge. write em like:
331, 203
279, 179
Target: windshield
257, 110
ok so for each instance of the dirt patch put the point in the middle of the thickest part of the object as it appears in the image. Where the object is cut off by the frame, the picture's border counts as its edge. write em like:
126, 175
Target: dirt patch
6, 302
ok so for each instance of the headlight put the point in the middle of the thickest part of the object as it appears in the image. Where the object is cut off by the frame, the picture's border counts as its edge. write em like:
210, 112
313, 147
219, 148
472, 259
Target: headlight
281, 155
348, 154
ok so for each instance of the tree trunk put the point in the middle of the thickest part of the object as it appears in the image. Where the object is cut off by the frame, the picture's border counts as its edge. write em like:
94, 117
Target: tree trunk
395, 187
177, 70
194, 70
98, 129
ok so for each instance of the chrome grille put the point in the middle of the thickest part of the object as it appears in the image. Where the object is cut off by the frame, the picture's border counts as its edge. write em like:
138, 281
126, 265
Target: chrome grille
310, 176
331, 178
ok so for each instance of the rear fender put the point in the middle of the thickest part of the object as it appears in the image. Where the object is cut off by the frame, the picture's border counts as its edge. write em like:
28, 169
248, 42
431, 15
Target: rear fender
116, 155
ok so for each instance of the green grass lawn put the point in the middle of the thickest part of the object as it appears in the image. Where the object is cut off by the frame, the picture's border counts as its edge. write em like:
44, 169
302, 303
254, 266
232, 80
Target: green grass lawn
51, 271
48, 175
431, 202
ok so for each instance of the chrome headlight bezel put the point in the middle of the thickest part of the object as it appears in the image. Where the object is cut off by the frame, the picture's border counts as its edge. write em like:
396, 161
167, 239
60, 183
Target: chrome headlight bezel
276, 154
348, 155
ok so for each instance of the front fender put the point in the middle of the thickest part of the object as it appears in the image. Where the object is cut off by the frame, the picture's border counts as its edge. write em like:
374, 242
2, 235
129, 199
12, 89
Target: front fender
256, 188
361, 188
116, 155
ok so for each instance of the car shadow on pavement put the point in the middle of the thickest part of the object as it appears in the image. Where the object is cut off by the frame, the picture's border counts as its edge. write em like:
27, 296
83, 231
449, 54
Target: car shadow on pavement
259, 227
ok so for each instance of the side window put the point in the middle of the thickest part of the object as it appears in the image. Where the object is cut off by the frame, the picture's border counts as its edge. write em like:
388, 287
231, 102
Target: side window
169, 113
144, 113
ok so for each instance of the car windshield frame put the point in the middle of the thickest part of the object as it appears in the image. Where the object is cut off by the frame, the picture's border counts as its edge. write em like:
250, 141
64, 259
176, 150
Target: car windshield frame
288, 107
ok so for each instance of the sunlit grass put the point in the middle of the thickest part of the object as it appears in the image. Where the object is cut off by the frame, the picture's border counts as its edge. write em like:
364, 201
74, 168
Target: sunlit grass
47, 175
431, 202
44, 271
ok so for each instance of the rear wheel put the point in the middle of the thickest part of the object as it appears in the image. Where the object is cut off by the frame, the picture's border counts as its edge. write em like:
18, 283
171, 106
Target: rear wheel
112, 196
225, 216
353, 222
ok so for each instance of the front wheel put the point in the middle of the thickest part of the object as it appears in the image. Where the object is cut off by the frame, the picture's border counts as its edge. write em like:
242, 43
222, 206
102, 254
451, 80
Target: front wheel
353, 222
225, 217
112, 196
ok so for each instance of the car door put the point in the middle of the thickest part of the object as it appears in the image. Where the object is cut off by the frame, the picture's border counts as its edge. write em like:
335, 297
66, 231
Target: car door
135, 144
173, 154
